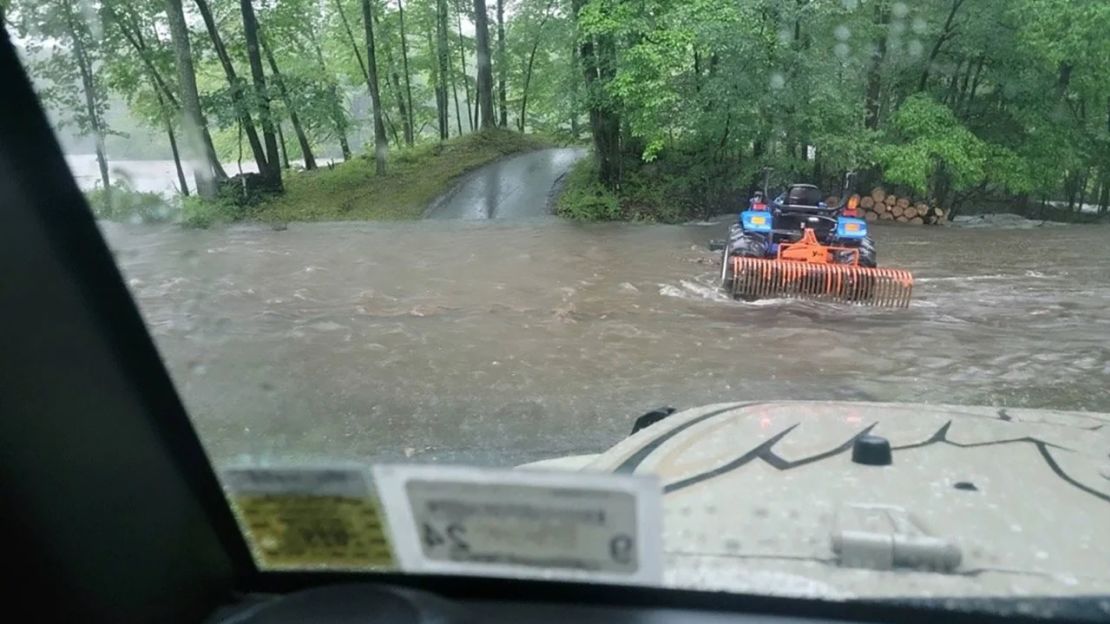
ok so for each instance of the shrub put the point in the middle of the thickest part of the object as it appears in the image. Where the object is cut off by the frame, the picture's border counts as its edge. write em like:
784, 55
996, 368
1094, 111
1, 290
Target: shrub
202, 213
120, 202
584, 198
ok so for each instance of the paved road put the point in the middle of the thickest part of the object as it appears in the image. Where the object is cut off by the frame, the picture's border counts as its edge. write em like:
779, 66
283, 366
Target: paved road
512, 188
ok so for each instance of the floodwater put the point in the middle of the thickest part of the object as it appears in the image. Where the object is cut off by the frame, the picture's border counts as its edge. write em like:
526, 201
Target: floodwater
501, 342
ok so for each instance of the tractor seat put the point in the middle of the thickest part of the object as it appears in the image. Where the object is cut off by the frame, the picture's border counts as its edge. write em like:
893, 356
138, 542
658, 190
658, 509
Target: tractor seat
803, 198
803, 195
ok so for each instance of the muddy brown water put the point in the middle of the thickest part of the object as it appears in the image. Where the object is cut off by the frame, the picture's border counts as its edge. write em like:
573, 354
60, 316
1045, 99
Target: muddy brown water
504, 342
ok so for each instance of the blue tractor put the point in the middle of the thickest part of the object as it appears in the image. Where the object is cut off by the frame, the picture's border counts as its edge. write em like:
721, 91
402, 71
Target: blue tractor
799, 246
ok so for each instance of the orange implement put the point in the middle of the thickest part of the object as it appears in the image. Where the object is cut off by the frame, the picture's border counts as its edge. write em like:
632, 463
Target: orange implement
810, 251
806, 269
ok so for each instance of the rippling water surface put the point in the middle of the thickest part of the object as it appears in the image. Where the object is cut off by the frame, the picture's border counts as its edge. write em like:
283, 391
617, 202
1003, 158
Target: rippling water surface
500, 343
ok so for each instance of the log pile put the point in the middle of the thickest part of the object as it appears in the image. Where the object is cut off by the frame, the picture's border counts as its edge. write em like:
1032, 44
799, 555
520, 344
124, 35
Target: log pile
882, 206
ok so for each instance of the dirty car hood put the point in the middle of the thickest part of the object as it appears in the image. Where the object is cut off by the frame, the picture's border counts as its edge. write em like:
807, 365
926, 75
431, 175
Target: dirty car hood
755, 491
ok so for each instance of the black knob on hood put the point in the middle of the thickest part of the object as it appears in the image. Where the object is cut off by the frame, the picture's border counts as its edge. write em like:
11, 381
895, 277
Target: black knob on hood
871, 450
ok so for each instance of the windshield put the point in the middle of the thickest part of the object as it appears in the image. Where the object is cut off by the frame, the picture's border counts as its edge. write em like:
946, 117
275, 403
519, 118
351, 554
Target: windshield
719, 272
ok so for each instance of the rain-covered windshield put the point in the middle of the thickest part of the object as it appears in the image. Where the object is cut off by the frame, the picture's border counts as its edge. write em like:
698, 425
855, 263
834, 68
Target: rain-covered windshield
498, 232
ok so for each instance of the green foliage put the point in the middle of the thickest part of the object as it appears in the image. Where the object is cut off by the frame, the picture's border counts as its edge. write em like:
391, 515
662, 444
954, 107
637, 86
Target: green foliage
201, 213
1004, 98
121, 203
927, 139
672, 189
583, 198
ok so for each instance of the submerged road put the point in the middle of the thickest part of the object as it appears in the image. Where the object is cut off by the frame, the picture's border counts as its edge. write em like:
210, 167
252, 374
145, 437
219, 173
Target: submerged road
517, 187
508, 341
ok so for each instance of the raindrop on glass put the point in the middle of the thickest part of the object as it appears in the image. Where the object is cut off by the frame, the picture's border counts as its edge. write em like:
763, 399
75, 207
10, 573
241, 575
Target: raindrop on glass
842, 33
899, 10
914, 48
841, 50
850, 4
777, 81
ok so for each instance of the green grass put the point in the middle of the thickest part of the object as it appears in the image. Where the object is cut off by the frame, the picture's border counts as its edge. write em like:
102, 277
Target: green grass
351, 191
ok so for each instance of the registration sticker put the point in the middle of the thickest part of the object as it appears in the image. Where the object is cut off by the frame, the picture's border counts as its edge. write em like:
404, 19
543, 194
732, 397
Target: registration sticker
297, 518
571, 525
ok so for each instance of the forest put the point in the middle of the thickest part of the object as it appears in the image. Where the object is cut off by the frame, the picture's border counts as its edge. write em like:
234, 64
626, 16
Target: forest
685, 102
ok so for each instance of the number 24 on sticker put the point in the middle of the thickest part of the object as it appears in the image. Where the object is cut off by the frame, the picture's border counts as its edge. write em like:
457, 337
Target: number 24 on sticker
452, 536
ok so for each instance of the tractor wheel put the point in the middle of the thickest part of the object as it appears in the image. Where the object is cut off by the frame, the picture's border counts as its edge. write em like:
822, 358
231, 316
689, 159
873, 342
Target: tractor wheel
868, 257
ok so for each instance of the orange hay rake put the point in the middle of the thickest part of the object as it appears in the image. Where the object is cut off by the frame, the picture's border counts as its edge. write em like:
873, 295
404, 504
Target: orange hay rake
806, 269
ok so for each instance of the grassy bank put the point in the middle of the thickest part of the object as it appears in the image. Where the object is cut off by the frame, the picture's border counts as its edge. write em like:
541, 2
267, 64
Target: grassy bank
351, 191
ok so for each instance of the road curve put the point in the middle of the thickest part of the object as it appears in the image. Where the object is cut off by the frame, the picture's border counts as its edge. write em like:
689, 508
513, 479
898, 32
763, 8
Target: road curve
517, 187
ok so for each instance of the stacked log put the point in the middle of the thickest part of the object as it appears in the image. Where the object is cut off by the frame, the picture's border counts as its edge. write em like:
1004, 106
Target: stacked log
880, 205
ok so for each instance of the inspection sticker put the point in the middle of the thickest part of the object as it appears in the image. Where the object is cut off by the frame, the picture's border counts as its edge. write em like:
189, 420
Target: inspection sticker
309, 517
584, 526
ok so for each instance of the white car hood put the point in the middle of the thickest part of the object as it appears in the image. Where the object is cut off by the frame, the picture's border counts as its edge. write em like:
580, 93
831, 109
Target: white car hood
755, 491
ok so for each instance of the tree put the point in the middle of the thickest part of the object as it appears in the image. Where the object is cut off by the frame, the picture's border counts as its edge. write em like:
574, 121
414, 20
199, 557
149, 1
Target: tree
442, 63
381, 145
208, 178
298, 129
65, 53
502, 68
485, 71
237, 91
261, 96
133, 64
409, 136
462, 67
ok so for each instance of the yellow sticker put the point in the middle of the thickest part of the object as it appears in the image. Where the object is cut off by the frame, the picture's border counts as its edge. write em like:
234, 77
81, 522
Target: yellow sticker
309, 518
759, 220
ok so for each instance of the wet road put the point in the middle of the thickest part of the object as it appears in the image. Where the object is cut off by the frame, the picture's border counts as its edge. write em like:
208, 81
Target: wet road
514, 188
503, 342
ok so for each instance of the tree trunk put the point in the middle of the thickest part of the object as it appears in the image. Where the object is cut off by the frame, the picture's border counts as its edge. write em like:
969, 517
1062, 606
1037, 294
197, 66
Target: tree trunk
527, 81
875, 71
281, 143
946, 33
502, 67
455, 95
254, 57
442, 58
410, 130
351, 39
598, 67
88, 86
974, 86
395, 86
298, 129
465, 76
168, 119
576, 71
196, 132
485, 70
381, 146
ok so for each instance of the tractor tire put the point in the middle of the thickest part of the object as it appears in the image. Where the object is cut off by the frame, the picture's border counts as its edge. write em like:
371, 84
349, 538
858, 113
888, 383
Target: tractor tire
749, 245
868, 256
